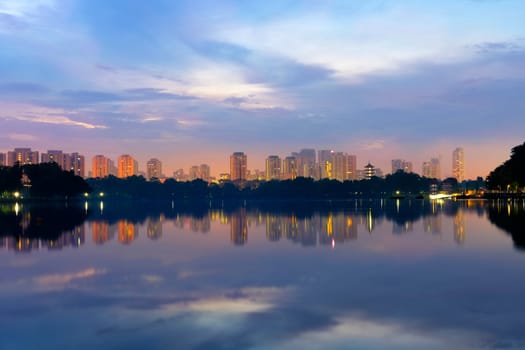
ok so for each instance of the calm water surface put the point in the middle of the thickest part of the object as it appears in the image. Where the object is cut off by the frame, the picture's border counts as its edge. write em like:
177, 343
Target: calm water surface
324, 275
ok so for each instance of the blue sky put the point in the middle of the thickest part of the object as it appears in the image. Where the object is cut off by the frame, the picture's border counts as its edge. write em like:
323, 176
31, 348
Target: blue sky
190, 82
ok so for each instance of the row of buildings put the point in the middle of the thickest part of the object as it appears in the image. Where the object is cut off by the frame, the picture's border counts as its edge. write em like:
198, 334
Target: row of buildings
68, 161
323, 164
327, 164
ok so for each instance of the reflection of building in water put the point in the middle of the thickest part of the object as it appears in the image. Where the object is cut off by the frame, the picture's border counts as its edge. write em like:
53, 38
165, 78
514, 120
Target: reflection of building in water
301, 230
74, 238
337, 227
154, 228
102, 231
239, 227
402, 227
127, 231
274, 227
201, 224
22, 244
459, 227
432, 223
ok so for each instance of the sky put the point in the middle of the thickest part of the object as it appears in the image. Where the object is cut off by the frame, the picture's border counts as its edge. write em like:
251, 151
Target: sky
190, 82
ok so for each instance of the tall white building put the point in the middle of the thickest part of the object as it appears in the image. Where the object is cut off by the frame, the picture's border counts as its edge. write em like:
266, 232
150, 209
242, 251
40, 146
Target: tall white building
401, 164
153, 169
432, 169
273, 168
458, 164
238, 166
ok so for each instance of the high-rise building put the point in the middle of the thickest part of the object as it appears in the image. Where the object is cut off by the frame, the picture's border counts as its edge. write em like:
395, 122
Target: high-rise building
100, 166
273, 168
194, 173
22, 156
325, 164
55, 156
205, 172
432, 169
305, 162
401, 165
127, 166
290, 168
238, 166
74, 162
179, 175
69, 162
343, 166
3, 161
153, 169
458, 164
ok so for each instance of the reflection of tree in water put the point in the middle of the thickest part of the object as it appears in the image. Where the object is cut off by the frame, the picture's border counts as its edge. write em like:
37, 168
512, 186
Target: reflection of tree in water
51, 226
509, 217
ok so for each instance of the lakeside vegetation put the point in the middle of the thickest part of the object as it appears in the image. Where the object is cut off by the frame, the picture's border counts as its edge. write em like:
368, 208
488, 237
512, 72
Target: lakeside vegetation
399, 185
41, 181
509, 176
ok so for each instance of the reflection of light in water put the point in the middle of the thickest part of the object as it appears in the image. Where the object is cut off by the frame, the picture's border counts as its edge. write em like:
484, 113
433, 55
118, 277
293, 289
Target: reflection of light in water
397, 205
101, 207
369, 220
508, 209
333, 243
329, 225
86, 206
17, 208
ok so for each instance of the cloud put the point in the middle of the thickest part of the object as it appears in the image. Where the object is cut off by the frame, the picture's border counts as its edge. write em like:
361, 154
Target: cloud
59, 120
153, 279
151, 119
235, 101
21, 137
23, 88
60, 281
373, 145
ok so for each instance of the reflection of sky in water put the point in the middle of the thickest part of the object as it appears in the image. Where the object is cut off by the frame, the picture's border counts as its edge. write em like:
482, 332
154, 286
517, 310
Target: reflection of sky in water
259, 279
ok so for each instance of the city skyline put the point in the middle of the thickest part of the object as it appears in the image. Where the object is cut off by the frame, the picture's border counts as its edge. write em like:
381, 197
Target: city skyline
191, 82
307, 162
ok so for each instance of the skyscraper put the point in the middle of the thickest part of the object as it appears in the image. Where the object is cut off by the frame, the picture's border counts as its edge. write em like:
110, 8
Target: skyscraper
305, 162
56, 156
325, 164
153, 169
74, 162
401, 164
238, 166
204, 172
22, 156
343, 166
100, 166
127, 166
432, 169
2, 159
290, 168
194, 172
458, 164
273, 168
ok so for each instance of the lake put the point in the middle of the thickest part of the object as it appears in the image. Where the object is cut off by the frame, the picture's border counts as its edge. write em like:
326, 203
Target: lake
360, 274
